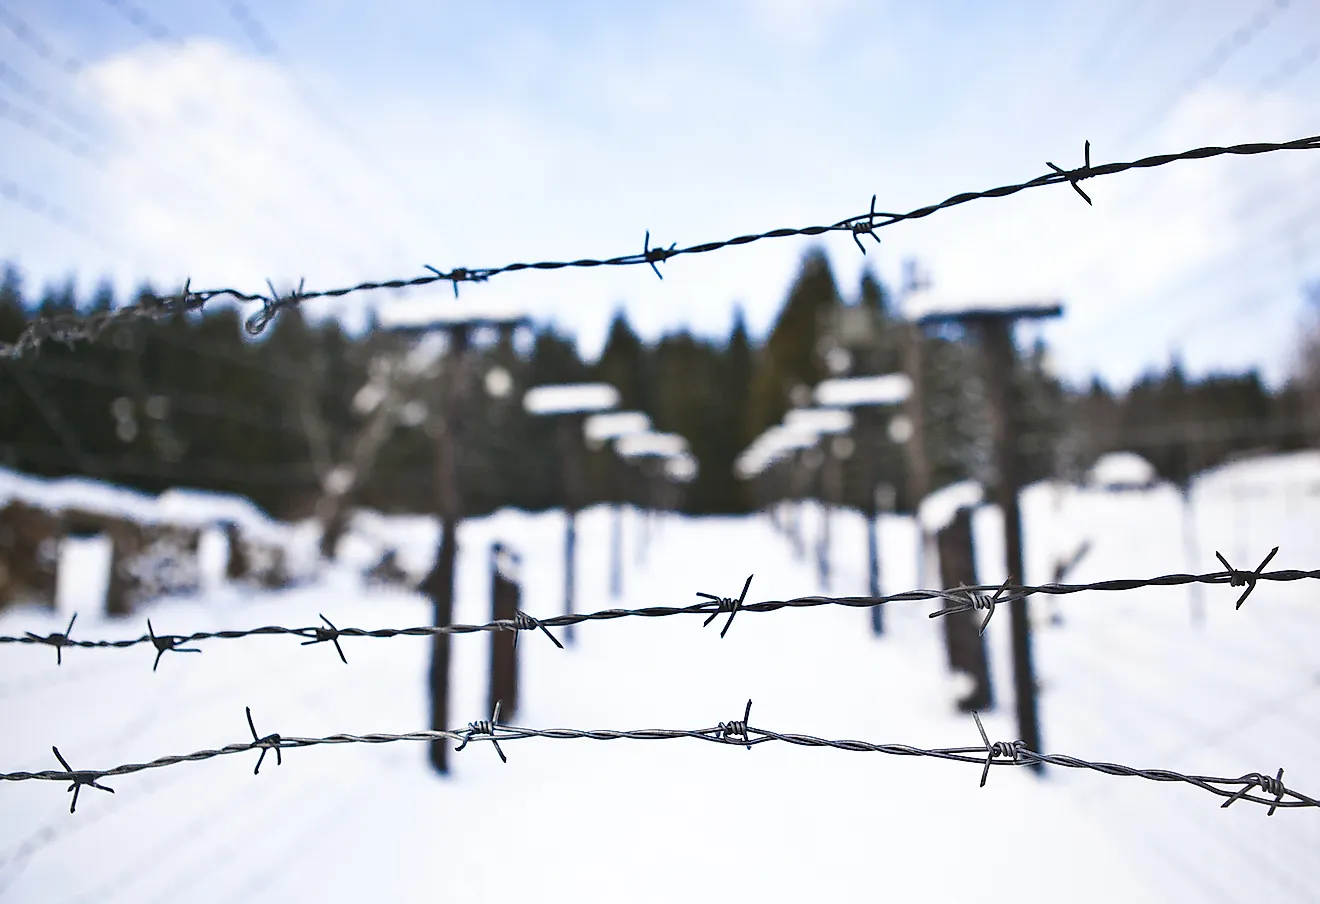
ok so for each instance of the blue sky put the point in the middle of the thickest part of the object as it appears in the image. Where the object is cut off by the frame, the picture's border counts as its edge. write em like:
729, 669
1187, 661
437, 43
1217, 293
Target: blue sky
360, 141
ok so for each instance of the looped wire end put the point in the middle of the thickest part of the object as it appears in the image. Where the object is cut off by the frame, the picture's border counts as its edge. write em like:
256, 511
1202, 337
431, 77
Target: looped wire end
524, 622
80, 778
865, 227
487, 728
1073, 176
656, 255
726, 604
57, 640
269, 742
1239, 578
330, 634
1267, 784
729, 731
257, 323
166, 643
1011, 752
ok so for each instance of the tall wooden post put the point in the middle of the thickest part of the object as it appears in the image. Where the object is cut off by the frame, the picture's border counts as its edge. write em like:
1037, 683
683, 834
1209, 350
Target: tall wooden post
918, 463
439, 583
570, 452
998, 358
992, 326
505, 594
447, 426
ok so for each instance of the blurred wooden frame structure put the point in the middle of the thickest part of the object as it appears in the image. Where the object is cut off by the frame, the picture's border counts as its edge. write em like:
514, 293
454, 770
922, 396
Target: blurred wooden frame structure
449, 403
991, 327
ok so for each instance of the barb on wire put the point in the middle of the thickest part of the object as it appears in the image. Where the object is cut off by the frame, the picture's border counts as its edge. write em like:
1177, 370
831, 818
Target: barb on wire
739, 727
458, 275
1075, 176
865, 227
1274, 794
270, 306
1008, 752
80, 778
970, 600
1249, 578
166, 643
967, 598
726, 604
524, 622
58, 641
654, 256
484, 730
269, 742
1265, 783
73, 327
330, 634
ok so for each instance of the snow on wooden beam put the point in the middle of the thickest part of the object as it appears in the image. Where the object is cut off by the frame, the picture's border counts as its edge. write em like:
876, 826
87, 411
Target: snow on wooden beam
570, 398
601, 428
650, 445
819, 420
853, 392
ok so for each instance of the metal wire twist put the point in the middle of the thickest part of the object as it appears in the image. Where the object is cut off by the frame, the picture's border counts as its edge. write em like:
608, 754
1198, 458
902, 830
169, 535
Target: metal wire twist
737, 733
69, 328
965, 598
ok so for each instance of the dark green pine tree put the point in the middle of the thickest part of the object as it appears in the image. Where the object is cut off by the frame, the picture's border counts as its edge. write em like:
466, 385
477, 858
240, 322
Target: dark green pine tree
790, 362
15, 407
622, 364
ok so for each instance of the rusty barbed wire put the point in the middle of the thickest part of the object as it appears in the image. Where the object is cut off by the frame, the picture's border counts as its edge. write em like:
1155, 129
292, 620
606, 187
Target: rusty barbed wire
736, 733
965, 599
71, 328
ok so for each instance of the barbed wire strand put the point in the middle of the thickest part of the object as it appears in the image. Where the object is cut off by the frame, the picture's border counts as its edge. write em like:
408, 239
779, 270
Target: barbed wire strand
734, 733
69, 328
966, 599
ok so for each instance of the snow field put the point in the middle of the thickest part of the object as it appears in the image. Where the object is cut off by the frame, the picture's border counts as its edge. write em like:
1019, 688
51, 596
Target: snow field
1126, 677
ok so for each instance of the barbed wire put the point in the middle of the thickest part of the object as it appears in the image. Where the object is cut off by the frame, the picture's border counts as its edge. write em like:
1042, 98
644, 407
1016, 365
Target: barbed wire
739, 732
965, 599
70, 328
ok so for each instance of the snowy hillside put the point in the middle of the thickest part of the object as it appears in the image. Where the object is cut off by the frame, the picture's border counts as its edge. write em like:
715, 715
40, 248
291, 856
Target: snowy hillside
1159, 678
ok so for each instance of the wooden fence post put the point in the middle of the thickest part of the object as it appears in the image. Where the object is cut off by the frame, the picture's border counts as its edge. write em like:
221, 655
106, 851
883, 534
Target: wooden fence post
962, 639
505, 597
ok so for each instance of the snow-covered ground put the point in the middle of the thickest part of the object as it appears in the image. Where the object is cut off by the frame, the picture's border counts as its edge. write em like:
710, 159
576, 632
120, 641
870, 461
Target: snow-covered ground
1137, 678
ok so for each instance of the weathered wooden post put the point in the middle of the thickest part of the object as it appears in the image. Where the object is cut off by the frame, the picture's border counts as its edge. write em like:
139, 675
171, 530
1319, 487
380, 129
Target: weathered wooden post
570, 404
505, 597
867, 397
124, 589
962, 636
29, 554
598, 430
992, 327
448, 412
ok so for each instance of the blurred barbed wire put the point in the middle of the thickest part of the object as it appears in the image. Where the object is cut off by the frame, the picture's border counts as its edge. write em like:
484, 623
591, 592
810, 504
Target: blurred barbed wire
69, 328
737, 732
969, 598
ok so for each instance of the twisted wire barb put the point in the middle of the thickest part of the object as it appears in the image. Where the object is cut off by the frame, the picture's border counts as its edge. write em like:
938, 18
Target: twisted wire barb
737, 733
68, 328
965, 599
973, 599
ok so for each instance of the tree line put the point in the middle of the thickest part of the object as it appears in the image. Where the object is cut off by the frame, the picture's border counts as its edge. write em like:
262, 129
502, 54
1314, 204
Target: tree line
194, 401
